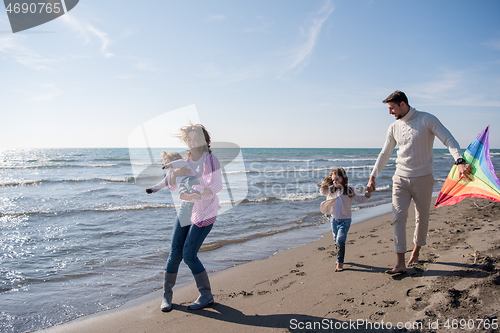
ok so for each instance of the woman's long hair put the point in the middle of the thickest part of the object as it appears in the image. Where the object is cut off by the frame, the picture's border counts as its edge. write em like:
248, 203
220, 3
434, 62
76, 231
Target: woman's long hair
328, 182
202, 135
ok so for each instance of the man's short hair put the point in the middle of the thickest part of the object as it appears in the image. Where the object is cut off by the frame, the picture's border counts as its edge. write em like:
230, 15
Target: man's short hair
397, 97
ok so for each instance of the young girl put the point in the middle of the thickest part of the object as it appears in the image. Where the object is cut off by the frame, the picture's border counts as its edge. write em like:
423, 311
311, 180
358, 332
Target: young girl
338, 204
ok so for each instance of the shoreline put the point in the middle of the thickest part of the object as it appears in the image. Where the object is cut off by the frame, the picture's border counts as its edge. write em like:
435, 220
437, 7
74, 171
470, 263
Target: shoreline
298, 285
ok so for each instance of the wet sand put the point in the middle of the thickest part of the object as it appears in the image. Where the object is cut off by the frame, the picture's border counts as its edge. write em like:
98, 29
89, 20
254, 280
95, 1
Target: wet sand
297, 290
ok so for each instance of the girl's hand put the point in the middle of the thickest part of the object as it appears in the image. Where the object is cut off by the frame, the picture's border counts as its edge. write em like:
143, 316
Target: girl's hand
149, 191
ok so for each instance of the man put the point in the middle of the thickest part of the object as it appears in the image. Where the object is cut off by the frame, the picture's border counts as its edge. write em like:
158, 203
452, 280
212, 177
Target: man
413, 132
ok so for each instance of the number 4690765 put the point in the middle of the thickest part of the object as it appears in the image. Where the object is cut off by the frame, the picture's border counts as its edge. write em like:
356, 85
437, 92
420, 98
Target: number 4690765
33, 8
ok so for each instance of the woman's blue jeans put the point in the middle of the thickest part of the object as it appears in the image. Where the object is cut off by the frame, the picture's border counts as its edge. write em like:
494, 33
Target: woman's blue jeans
186, 242
340, 228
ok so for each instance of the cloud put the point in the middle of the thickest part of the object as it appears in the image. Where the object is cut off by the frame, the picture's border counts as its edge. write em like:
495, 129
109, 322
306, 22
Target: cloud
105, 41
301, 54
446, 83
461, 88
212, 18
87, 32
11, 46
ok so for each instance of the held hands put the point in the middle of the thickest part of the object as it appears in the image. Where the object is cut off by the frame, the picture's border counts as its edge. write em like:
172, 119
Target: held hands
370, 187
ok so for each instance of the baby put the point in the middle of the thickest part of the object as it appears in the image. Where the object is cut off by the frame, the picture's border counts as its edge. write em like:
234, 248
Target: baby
173, 160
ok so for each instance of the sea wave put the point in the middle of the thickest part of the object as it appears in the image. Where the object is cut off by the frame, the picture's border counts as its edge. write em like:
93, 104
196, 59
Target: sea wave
384, 188
289, 227
293, 169
55, 166
289, 197
23, 182
19, 182
345, 159
109, 208
129, 207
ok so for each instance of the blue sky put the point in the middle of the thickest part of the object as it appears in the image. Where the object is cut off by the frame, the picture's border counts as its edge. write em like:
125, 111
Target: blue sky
261, 73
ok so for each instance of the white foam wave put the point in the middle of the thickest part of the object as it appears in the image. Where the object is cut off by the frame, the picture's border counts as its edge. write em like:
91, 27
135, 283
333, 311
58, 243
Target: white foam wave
384, 188
302, 170
101, 165
130, 207
19, 182
299, 197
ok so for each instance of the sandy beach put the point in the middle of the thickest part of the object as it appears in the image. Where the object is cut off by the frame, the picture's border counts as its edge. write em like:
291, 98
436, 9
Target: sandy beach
456, 285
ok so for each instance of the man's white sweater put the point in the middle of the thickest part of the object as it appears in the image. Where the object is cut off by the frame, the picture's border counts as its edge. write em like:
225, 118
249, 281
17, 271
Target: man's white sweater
414, 134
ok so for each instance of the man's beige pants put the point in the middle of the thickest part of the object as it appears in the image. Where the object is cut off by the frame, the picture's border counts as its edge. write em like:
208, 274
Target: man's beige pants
403, 190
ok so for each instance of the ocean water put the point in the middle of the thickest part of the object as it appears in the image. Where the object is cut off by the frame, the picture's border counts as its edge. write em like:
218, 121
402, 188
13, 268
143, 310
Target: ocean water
78, 235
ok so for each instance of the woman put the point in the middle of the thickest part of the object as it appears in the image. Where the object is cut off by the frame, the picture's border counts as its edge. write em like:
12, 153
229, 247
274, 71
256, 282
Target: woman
187, 239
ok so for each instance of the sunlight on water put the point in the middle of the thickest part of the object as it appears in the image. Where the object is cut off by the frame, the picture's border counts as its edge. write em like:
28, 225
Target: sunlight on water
78, 236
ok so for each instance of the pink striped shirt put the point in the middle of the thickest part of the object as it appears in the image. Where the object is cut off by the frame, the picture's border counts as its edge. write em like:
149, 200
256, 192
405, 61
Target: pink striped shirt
205, 210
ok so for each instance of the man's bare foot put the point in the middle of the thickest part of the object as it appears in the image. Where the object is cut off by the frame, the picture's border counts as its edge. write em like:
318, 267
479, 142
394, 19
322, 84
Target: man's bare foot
396, 270
340, 267
413, 261
414, 256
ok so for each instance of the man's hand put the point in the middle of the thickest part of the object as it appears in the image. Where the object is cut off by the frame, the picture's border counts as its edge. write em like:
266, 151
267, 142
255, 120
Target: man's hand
464, 170
370, 187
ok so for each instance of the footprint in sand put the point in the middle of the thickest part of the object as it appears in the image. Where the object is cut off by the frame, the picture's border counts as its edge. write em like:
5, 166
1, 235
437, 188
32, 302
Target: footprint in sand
299, 264
415, 292
377, 315
343, 312
387, 304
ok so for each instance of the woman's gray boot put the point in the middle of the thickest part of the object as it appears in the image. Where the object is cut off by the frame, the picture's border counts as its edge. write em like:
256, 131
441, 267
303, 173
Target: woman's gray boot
168, 284
206, 296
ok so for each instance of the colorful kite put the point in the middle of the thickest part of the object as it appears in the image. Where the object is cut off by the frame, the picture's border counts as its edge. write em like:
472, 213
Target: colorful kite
483, 181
